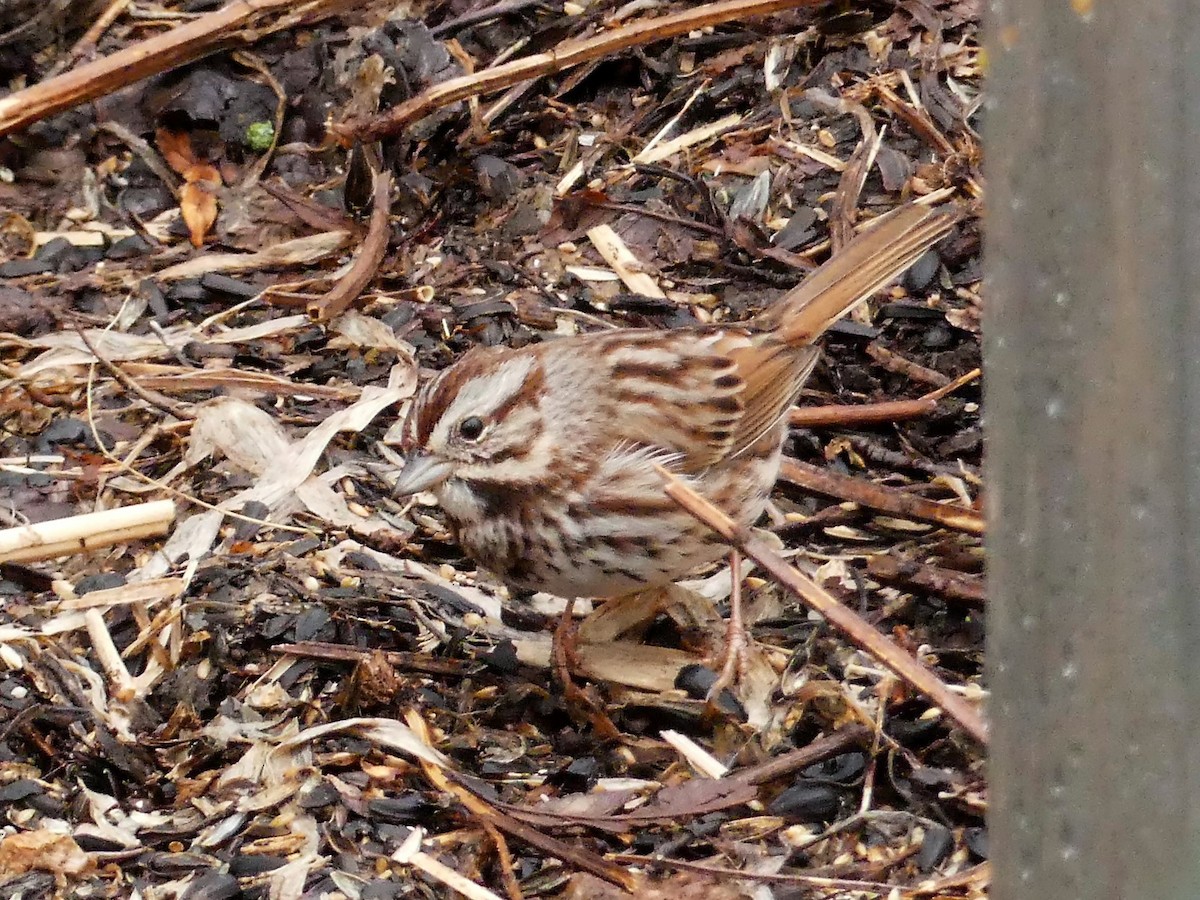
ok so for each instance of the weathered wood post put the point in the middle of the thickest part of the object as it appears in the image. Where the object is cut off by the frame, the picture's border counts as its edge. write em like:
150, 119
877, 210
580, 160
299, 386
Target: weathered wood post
1093, 391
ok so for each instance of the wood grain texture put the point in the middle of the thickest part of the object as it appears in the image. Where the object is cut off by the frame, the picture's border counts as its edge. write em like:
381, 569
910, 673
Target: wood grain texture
1093, 361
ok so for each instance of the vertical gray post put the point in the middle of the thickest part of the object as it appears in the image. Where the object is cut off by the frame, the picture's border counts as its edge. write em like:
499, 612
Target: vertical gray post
1093, 403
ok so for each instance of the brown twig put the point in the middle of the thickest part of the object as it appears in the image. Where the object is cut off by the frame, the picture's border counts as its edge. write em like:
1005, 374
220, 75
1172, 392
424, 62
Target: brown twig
894, 362
845, 415
854, 176
155, 399
414, 662
856, 628
338, 299
737, 788
917, 119
475, 17
147, 154
702, 227
253, 172
978, 876
877, 497
565, 56
507, 875
313, 214
831, 745
910, 573
486, 812
237, 21
86, 45
808, 880
875, 413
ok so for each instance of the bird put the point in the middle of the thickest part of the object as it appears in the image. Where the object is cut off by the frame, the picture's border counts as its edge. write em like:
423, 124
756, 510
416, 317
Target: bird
544, 459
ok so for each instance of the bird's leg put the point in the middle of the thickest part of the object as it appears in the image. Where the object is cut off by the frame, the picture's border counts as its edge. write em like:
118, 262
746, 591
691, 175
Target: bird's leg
734, 655
564, 657
564, 661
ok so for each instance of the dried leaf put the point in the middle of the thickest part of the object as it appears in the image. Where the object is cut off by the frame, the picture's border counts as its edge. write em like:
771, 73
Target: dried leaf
176, 148
198, 202
43, 851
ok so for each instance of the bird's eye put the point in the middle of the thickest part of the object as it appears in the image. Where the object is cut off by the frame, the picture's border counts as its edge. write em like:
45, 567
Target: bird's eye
471, 428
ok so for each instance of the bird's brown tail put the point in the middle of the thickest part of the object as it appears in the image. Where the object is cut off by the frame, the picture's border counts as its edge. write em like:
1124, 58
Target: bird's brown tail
875, 257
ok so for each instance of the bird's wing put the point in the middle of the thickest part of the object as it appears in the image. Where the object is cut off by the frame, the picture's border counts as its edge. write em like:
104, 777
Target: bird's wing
774, 373
675, 391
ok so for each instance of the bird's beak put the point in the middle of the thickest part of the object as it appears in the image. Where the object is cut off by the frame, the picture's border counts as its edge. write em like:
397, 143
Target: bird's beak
421, 473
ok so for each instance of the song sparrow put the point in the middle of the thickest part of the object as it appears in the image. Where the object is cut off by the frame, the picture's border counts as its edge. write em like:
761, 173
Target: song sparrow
543, 458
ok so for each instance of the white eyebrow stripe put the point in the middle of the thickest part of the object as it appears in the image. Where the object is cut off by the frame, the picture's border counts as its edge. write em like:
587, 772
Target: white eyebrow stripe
482, 395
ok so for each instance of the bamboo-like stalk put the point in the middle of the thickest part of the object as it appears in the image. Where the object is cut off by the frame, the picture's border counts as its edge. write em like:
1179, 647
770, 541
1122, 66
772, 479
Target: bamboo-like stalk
90, 531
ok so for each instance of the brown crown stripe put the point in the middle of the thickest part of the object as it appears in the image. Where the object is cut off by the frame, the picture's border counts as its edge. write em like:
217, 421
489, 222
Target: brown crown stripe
441, 394
450, 382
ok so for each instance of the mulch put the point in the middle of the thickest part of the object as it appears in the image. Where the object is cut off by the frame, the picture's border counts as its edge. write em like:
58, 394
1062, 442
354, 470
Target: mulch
296, 685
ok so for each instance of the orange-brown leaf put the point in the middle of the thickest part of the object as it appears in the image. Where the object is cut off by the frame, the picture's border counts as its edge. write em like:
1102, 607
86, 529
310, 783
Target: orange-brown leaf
198, 205
176, 148
199, 173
